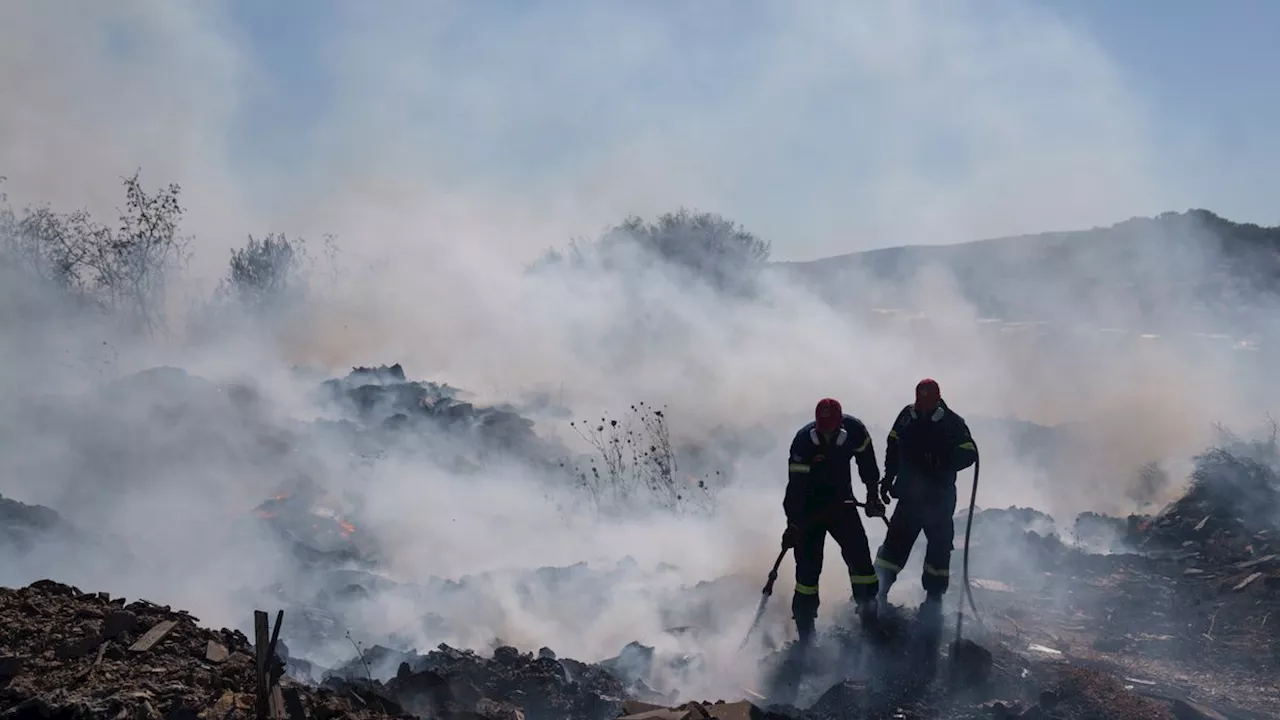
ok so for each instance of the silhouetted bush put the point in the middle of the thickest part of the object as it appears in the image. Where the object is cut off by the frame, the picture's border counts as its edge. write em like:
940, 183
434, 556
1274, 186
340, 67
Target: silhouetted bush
709, 247
123, 270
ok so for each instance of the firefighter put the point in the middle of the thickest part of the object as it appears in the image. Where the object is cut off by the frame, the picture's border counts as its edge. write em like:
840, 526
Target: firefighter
928, 444
819, 500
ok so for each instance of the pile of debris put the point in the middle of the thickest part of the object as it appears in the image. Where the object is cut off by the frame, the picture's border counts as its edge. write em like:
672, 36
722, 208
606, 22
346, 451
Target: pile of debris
23, 526
448, 682
1230, 512
68, 654
383, 398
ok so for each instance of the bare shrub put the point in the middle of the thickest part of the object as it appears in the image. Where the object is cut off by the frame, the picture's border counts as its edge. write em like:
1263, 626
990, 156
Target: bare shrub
266, 272
634, 467
122, 270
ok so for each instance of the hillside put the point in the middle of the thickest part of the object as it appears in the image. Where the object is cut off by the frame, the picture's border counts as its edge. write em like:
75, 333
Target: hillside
1179, 272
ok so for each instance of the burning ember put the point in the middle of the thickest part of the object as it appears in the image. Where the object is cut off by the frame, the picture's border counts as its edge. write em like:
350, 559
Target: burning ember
306, 521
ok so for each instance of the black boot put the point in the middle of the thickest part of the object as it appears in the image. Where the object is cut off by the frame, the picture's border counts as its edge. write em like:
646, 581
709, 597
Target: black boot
804, 629
869, 612
930, 613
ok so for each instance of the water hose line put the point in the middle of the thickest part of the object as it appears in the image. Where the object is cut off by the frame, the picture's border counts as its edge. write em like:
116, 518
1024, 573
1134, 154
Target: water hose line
968, 531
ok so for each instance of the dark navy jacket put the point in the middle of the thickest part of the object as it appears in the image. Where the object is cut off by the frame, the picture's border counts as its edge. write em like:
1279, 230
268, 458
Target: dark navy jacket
929, 451
819, 473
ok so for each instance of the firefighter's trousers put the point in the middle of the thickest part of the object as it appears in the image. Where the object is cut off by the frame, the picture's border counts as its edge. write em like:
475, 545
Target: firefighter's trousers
845, 526
922, 507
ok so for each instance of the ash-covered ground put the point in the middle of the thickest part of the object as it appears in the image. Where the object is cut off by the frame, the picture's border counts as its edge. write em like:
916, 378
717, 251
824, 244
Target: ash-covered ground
1162, 615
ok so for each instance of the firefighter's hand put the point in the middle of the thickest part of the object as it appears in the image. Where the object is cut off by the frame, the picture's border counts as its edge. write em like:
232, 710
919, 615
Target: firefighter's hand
887, 492
874, 507
790, 536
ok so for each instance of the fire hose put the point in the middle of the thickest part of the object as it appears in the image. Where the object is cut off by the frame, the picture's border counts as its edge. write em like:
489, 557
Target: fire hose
968, 530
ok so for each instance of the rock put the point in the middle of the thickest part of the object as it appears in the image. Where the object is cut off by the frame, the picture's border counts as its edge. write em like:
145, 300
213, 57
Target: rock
495, 710
999, 710
424, 693
117, 623
215, 652
54, 589
971, 662
632, 664
11, 666
845, 699
77, 648
546, 652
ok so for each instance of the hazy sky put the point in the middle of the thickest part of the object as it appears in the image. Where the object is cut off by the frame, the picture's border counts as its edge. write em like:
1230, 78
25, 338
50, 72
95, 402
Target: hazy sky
825, 126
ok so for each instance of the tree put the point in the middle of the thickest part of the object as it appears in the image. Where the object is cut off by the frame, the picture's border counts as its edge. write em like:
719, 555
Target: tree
708, 246
123, 270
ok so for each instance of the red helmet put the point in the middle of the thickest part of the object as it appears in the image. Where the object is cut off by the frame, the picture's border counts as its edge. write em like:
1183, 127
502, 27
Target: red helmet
928, 394
828, 414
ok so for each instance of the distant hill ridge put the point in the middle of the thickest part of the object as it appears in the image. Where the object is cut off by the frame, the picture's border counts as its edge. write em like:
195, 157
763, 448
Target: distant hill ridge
1143, 271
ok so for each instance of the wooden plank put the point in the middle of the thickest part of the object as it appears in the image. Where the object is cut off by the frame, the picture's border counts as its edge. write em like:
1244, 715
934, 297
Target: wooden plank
260, 641
153, 636
277, 708
275, 637
293, 704
1245, 583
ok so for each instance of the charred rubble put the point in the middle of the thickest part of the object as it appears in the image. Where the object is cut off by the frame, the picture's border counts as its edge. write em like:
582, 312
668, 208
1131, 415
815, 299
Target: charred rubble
1183, 602
23, 527
70, 654
383, 398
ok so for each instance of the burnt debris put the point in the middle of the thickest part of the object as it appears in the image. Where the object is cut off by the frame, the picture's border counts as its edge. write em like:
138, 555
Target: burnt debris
382, 398
23, 527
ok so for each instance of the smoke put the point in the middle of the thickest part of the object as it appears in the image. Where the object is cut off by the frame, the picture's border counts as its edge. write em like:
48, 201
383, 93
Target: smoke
446, 147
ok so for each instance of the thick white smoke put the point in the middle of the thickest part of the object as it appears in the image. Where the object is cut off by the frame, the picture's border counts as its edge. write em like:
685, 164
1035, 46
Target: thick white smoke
444, 166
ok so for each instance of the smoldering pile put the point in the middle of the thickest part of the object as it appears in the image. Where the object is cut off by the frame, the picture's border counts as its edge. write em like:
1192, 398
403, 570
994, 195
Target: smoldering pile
1230, 513
382, 398
1184, 600
69, 654
23, 527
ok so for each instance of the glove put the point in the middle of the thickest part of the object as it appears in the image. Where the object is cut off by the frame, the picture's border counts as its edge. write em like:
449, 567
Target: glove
790, 536
874, 507
887, 490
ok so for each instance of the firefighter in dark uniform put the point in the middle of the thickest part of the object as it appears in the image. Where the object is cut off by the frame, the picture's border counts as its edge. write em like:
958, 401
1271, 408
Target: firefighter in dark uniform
819, 500
928, 445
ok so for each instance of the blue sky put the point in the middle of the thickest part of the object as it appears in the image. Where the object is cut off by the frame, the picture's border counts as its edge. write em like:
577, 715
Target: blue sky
1208, 71
825, 125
